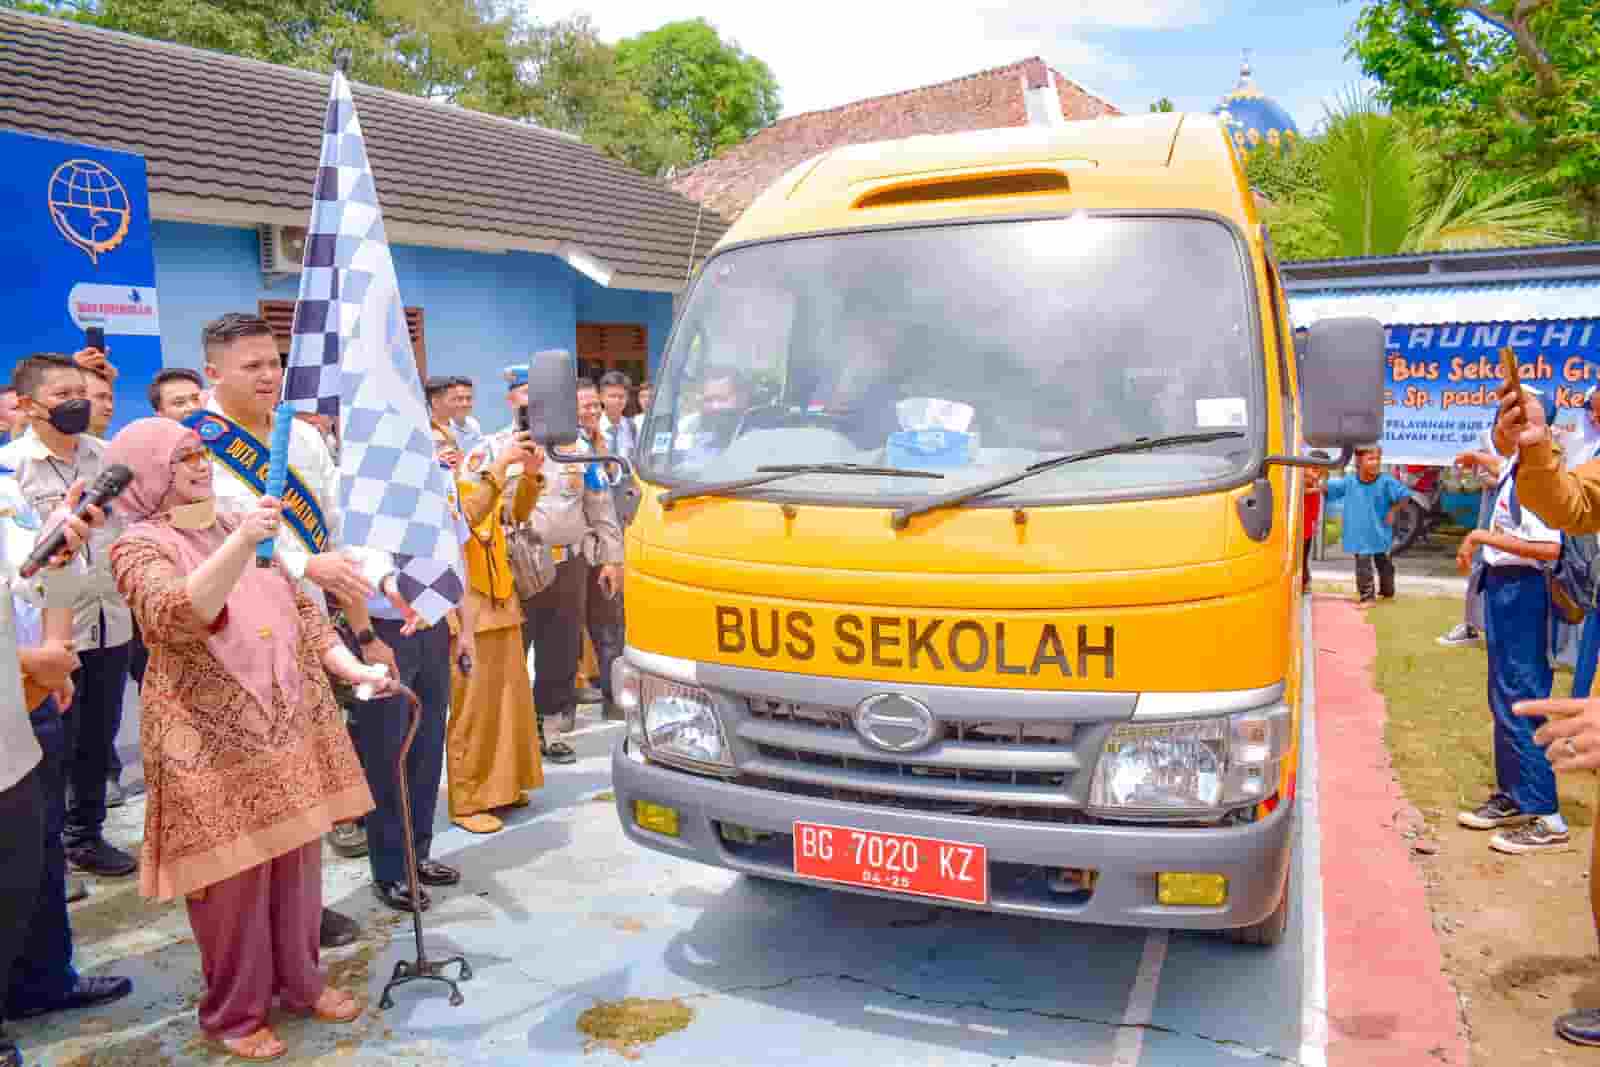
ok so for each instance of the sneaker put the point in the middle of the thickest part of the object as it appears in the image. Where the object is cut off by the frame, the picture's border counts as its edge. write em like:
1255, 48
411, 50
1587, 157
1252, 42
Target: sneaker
1461, 634
337, 930
100, 857
115, 797
1581, 1027
349, 839
1492, 814
1537, 836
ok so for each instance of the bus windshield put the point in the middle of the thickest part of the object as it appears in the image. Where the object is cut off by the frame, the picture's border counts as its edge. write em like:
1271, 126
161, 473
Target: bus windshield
972, 350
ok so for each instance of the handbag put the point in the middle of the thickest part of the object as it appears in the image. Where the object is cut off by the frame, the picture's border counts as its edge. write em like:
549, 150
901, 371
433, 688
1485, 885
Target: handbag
533, 568
1571, 577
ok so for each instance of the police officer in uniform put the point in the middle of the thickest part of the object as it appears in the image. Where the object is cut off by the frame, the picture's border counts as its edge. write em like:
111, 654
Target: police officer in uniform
574, 509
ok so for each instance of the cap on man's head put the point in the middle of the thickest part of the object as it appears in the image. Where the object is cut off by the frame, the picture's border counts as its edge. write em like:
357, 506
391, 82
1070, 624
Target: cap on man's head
516, 376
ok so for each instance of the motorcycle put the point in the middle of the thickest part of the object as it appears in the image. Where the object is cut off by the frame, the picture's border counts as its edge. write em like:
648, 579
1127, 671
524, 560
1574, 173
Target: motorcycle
1439, 497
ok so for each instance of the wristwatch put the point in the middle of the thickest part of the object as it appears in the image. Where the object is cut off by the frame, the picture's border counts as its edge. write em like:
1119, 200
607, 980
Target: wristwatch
365, 638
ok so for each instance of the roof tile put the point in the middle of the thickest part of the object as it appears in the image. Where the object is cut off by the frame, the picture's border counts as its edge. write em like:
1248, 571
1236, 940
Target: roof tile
989, 99
236, 130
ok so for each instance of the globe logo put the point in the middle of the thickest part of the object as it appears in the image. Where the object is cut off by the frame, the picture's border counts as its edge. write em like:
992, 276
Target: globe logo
89, 206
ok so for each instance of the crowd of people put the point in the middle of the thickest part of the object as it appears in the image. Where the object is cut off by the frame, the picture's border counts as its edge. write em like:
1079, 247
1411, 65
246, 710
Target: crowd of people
1544, 489
255, 742
256, 745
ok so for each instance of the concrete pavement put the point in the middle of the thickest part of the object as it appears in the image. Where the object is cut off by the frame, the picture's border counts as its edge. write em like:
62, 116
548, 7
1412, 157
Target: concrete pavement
559, 913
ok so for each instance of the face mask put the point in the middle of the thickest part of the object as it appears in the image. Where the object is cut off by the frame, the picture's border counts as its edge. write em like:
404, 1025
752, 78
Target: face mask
70, 417
201, 515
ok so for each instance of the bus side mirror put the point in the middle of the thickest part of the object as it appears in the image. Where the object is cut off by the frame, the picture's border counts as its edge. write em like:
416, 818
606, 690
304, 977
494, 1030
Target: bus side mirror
552, 412
1341, 383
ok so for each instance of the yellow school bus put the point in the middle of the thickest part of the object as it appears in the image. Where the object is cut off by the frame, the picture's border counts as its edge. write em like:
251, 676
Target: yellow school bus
966, 564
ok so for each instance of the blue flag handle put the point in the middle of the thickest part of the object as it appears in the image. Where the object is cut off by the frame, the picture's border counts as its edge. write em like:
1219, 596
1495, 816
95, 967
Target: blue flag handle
277, 471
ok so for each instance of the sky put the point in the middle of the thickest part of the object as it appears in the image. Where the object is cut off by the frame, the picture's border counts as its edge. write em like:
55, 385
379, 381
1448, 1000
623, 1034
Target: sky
825, 53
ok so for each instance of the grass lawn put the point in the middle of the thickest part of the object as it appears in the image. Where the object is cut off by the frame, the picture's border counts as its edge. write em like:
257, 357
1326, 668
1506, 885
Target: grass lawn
1439, 731
1516, 932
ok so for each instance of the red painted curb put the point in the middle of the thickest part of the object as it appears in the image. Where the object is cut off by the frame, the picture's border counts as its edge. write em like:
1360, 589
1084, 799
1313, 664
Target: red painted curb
1389, 1002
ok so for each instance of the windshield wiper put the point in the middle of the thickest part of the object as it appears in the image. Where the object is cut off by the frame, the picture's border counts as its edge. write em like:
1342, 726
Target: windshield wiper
1138, 444
772, 474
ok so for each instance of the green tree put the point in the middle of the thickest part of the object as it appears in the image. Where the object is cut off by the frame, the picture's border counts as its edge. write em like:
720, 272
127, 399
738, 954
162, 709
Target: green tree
685, 69
1370, 186
1162, 105
1507, 85
466, 52
577, 86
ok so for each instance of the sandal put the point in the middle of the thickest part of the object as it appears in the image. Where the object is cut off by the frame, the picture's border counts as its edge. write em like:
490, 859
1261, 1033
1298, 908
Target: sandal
259, 1047
337, 1006
559, 752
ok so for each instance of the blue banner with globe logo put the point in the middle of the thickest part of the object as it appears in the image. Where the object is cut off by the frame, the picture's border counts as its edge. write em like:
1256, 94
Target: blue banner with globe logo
75, 253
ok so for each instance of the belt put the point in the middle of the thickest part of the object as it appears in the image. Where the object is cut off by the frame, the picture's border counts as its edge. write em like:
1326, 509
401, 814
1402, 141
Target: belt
1513, 568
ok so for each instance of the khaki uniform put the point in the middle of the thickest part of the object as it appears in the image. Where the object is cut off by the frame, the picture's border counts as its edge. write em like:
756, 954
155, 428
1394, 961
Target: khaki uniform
1569, 500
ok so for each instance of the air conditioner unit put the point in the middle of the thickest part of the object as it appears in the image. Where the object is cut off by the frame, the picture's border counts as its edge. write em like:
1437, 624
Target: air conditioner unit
283, 249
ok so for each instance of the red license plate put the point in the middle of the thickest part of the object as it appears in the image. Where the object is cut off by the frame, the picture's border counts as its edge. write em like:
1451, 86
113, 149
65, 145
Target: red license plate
900, 863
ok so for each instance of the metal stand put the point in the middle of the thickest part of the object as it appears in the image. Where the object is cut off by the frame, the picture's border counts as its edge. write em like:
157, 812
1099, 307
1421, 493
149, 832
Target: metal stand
421, 969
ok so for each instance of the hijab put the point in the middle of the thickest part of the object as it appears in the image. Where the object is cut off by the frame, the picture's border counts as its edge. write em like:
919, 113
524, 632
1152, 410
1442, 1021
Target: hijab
258, 643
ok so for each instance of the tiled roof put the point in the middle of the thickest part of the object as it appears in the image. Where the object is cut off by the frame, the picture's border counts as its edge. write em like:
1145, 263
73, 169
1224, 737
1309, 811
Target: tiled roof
1509, 302
986, 100
241, 139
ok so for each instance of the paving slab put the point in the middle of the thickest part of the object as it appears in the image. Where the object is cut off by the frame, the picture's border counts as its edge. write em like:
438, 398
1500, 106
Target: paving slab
560, 912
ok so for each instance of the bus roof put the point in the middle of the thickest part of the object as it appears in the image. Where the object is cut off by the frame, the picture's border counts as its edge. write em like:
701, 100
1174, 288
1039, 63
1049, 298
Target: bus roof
1170, 161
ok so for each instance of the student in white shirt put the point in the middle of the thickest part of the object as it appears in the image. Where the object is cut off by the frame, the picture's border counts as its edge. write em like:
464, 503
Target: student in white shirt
1518, 548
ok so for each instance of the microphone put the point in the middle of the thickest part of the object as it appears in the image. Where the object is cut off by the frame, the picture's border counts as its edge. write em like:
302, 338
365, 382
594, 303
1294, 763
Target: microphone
110, 484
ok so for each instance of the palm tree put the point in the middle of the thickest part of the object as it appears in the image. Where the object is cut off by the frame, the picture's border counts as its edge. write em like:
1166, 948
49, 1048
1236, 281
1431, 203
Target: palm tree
1506, 217
1379, 192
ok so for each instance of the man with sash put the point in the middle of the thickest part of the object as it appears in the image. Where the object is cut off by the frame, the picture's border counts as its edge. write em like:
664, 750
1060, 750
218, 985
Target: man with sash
246, 376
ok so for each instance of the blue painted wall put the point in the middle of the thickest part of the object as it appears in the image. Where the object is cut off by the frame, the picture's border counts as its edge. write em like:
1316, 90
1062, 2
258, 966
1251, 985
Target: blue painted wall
654, 310
481, 311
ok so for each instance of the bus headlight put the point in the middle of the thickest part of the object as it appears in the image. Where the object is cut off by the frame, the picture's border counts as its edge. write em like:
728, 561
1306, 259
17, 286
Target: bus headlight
626, 685
1191, 765
680, 722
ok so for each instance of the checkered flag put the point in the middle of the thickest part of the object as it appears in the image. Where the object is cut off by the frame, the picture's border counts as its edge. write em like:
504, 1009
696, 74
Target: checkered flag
351, 357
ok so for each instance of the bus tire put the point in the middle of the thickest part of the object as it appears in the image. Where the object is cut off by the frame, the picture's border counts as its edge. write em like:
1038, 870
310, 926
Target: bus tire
1268, 931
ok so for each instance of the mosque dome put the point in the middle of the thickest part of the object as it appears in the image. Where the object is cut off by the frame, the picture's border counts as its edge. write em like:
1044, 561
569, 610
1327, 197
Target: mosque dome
1253, 119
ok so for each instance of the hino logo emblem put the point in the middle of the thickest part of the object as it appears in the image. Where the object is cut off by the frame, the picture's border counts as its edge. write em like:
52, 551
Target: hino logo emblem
895, 723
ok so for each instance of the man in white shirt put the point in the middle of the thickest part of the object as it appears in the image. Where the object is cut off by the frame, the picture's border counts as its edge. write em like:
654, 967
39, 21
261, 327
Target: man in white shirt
56, 451
8, 414
622, 434
35, 936
246, 376
450, 401
102, 403
1518, 548
647, 393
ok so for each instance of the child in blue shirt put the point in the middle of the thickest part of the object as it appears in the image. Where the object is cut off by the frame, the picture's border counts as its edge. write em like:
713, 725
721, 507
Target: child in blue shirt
1371, 502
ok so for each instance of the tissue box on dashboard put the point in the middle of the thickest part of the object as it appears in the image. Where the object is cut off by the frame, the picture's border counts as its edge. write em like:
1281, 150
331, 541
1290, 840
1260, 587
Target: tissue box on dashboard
931, 449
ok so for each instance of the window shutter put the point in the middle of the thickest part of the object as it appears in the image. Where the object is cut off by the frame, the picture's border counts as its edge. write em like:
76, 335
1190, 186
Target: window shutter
279, 314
